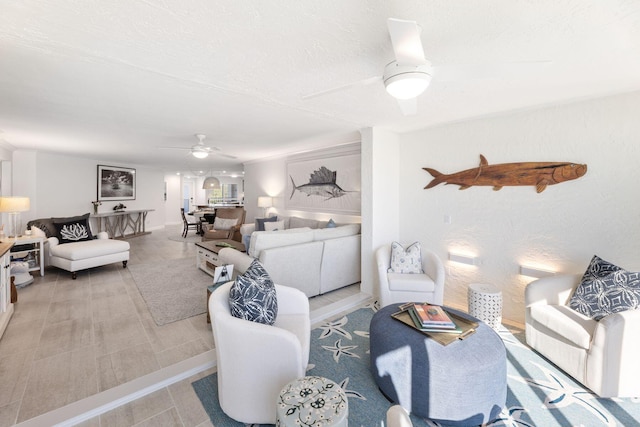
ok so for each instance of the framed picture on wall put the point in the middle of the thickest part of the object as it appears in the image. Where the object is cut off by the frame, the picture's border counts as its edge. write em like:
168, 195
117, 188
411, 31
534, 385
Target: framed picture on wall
116, 183
324, 184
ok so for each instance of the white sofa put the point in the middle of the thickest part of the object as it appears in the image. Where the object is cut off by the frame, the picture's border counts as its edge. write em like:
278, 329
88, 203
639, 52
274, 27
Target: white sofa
289, 222
312, 260
602, 355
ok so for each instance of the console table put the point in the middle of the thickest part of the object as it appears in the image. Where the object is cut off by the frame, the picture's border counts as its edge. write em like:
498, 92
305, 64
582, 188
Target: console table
117, 224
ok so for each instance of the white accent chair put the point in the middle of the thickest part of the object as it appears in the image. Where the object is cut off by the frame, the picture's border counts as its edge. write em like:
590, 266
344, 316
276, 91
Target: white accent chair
602, 355
397, 416
254, 360
398, 287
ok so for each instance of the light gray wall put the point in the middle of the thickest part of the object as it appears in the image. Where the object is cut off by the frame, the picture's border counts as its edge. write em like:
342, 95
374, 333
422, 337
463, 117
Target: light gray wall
269, 178
60, 185
560, 228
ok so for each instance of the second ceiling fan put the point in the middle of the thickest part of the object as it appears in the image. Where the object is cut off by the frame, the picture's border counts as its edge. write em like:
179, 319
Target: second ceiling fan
200, 150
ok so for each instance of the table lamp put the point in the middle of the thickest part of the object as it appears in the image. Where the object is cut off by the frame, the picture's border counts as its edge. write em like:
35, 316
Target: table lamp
265, 202
13, 206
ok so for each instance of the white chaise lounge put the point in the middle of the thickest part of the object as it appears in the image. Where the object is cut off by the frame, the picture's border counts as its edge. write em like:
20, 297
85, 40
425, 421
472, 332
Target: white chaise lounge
78, 256
85, 253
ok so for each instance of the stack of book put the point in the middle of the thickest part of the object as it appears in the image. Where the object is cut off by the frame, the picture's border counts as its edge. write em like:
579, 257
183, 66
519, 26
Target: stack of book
431, 318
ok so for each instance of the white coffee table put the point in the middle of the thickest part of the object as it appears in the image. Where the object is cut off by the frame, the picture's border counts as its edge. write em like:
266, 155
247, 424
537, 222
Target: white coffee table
207, 254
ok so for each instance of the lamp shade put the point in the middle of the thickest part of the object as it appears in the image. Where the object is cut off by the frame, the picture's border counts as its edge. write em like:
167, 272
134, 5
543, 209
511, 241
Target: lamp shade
14, 204
211, 183
265, 202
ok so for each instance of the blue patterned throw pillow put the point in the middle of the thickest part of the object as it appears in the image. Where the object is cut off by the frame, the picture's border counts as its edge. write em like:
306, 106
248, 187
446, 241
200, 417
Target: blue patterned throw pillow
406, 260
253, 296
605, 289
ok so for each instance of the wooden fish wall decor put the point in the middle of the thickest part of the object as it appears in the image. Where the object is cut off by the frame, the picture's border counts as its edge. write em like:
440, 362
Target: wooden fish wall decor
539, 174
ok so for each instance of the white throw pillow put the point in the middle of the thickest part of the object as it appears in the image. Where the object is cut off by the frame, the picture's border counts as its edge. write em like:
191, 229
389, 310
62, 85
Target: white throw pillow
406, 260
224, 223
274, 226
37, 232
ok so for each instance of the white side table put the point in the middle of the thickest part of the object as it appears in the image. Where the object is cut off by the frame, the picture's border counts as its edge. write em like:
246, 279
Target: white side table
312, 401
485, 303
37, 251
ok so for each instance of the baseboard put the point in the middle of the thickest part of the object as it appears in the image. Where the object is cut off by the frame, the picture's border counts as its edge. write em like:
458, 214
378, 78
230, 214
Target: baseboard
346, 304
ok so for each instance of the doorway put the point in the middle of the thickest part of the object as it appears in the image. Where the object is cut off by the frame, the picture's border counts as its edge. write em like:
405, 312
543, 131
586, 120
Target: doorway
188, 195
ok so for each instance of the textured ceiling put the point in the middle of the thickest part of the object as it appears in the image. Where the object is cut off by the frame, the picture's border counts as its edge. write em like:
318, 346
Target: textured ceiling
115, 80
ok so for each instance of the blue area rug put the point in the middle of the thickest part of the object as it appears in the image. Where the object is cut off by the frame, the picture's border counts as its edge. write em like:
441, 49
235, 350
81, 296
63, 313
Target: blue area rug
538, 393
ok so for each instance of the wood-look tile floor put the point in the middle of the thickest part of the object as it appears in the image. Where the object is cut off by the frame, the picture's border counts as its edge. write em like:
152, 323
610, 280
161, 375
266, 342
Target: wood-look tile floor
70, 339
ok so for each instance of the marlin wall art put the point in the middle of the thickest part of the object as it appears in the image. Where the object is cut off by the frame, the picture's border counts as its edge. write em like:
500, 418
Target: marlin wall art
322, 182
538, 174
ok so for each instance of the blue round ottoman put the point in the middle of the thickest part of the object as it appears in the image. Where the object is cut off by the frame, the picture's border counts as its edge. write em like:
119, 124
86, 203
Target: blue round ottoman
460, 384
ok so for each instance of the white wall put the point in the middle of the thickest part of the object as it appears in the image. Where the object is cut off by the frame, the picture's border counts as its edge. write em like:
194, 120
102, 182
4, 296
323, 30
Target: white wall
63, 186
561, 228
380, 199
266, 178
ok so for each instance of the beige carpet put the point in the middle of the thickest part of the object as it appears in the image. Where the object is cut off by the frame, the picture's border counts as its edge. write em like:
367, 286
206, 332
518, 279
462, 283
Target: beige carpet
173, 290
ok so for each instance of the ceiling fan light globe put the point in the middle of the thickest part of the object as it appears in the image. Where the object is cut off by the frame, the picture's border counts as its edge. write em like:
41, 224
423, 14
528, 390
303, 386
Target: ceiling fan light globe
406, 81
199, 154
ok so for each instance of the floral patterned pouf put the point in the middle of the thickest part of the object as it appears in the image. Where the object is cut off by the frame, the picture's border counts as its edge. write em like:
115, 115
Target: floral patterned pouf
312, 401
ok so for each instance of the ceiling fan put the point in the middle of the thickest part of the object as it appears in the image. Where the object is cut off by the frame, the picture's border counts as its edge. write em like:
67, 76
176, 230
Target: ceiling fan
406, 77
201, 151
410, 73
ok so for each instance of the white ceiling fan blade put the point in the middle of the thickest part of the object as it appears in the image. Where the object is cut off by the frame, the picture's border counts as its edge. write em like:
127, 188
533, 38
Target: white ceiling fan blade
362, 82
405, 38
174, 148
505, 70
409, 107
228, 156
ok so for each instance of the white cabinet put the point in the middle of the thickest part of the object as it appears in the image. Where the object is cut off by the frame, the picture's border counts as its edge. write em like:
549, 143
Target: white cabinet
6, 307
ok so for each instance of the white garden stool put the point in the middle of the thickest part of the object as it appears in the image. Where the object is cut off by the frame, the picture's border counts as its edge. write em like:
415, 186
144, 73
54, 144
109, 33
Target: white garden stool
312, 401
485, 303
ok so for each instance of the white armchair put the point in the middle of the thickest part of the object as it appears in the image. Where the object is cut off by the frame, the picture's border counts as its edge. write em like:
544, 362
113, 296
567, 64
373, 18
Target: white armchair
398, 287
255, 360
397, 416
602, 355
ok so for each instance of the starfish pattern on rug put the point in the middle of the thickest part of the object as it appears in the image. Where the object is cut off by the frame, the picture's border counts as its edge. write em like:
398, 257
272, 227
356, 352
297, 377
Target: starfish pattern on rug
511, 417
338, 350
564, 399
351, 393
335, 327
508, 338
561, 394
